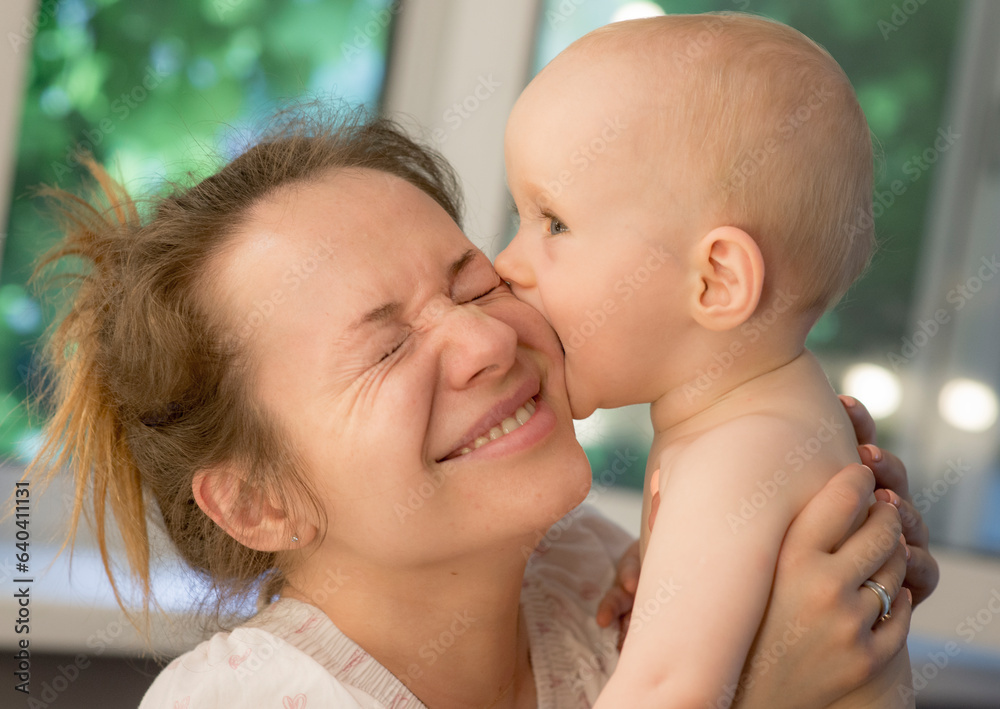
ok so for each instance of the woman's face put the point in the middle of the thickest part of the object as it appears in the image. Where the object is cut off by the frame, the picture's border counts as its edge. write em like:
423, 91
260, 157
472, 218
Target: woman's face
385, 345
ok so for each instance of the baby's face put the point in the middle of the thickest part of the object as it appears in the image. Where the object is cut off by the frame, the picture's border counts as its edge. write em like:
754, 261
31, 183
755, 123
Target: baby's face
600, 246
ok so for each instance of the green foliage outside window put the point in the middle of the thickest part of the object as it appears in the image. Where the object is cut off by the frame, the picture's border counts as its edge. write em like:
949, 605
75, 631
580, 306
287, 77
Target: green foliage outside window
157, 91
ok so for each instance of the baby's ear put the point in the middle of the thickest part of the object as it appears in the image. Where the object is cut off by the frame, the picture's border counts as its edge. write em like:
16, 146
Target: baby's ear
246, 513
730, 272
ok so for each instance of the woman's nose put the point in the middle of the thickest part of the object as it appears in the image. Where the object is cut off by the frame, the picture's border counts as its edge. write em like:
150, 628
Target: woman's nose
513, 264
477, 346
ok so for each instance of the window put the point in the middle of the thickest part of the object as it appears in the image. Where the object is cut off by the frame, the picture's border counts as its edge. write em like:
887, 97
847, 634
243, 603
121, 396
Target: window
155, 90
911, 338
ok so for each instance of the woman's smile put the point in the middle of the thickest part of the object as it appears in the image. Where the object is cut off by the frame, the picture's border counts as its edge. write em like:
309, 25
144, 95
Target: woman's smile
509, 431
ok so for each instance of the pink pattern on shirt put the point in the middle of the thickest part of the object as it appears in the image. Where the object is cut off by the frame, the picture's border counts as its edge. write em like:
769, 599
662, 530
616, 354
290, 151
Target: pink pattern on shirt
237, 660
311, 623
356, 659
296, 702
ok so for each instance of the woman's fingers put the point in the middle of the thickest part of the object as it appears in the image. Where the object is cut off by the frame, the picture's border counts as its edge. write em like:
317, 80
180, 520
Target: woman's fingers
914, 529
615, 604
829, 515
922, 574
864, 424
890, 576
890, 473
875, 543
628, 569
889, 636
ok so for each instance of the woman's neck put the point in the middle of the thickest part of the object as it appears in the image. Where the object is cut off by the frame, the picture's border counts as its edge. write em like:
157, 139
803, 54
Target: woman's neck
451, 632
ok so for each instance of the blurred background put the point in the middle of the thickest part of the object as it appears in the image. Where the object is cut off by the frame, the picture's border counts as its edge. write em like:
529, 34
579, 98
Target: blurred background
160, 91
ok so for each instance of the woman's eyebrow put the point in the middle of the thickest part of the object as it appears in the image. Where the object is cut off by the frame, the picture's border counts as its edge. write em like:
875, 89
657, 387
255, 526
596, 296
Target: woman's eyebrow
388, 311
461, 262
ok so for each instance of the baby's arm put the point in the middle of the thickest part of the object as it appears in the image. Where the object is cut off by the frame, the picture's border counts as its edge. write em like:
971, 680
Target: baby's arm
725, 504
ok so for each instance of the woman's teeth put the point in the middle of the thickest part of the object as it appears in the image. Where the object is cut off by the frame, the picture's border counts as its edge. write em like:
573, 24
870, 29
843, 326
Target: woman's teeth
520, 417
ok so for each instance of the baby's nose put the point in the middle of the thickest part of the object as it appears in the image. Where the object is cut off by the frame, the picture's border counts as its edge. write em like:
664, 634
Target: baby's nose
513, 266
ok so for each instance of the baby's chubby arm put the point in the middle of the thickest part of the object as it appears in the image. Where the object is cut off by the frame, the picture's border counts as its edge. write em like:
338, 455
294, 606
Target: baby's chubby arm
725, 504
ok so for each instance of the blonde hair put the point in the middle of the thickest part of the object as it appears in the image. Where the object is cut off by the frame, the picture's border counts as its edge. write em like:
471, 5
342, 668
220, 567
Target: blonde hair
785, 147
150, 385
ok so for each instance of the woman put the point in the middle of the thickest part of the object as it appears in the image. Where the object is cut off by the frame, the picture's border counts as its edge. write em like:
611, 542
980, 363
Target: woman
293, 361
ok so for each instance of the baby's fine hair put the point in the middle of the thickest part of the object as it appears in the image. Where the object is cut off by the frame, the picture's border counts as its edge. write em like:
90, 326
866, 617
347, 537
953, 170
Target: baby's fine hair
150, 384
774, 129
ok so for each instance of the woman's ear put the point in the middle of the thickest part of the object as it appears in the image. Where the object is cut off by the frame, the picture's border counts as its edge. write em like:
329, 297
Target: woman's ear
246, 514
730, 270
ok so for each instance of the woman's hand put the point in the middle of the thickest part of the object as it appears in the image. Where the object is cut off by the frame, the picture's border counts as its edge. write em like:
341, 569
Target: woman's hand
890, 476
617, 602
821, 637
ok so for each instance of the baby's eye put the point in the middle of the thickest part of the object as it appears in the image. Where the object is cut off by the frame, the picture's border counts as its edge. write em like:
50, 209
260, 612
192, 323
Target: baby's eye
556, 226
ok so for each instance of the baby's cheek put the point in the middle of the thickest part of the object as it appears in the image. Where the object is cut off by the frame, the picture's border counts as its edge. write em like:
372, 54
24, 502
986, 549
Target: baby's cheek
583, 381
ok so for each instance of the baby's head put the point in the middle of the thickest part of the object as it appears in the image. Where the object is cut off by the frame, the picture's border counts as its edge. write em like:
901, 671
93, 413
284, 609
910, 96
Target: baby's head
657, 166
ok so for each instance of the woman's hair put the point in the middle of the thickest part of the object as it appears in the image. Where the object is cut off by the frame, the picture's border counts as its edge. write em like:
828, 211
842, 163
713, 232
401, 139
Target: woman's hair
150, 383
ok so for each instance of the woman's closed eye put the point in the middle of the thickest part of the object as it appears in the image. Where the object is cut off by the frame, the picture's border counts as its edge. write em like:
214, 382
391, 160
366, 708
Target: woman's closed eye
500, 285
392, 350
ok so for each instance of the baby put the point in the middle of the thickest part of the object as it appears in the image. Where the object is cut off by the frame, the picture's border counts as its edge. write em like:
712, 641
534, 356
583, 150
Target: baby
694, 192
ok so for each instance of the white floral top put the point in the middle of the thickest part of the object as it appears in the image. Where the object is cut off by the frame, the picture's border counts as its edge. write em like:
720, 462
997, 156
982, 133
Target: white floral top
291, 656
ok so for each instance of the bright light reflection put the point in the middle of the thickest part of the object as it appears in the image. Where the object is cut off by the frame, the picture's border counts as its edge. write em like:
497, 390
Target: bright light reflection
968, 404
636, 11
876, 387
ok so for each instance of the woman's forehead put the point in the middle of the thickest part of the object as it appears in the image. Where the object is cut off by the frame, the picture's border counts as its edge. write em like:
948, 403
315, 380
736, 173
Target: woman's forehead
350, 237
357, 213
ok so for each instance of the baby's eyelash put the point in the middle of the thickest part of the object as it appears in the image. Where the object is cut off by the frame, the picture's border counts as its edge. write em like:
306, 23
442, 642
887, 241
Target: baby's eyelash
550, 218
